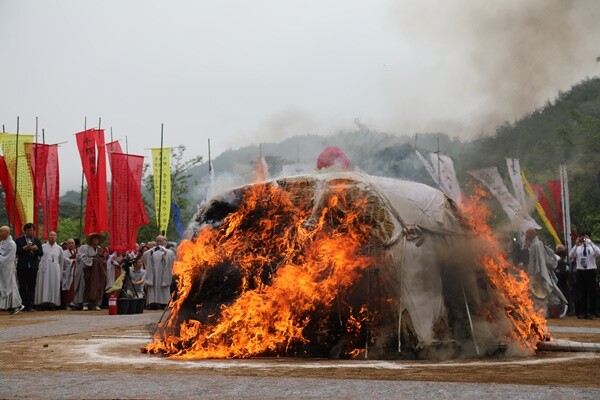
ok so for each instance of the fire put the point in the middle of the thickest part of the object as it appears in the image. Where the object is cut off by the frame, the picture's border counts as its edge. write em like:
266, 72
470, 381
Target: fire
289, 270
284, 272
510, 283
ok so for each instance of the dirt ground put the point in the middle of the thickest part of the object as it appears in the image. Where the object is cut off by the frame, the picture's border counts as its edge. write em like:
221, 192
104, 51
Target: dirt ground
118, 348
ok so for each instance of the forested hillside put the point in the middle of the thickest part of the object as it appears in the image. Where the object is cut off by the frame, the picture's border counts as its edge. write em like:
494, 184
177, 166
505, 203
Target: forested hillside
565, 130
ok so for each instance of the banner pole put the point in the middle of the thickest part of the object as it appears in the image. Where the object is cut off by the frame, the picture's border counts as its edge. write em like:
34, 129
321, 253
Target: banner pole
46, 220
81, 193
16, 174
127, 186
160, 180
36, 209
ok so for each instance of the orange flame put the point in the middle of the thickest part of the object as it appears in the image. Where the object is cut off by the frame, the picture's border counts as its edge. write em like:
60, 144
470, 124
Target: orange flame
286, 263
510, 283
288, 272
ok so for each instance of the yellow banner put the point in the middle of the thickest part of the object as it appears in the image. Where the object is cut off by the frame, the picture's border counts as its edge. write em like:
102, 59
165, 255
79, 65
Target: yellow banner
19, 171
161, 167
540, 209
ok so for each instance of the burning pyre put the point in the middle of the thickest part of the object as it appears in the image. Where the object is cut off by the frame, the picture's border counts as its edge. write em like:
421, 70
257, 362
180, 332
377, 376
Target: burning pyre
344, 265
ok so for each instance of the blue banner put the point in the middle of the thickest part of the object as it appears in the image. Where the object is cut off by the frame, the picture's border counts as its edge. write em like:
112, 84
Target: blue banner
177, 221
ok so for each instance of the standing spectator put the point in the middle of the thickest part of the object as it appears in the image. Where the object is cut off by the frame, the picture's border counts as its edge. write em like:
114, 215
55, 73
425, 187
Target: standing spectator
585, 253
90, 259
29, 251
10, 299
159, 263
68, 273
47, 288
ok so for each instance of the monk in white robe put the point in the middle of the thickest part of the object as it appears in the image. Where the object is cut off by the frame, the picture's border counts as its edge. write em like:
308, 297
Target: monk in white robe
159, 264
10, 299
47, 287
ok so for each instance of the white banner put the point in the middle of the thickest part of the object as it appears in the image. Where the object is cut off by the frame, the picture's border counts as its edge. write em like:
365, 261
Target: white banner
514, 171
564, 184
428, 167
447, 176
442, 172
494, 183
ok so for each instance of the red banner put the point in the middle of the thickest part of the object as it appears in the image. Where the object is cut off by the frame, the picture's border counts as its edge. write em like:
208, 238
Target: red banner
93, 160
37, 157
545, 203
127, 211
9, 198
555, 191
113, 147
50, 197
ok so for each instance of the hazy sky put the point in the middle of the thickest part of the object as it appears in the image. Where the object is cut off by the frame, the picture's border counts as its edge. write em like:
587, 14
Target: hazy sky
241, 72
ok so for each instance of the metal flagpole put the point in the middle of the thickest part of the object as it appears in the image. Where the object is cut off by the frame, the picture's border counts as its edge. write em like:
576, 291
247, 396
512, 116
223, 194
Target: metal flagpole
160, 179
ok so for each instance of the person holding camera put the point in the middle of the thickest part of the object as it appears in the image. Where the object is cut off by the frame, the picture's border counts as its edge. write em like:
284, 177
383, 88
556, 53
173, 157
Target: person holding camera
585, 252
134, 287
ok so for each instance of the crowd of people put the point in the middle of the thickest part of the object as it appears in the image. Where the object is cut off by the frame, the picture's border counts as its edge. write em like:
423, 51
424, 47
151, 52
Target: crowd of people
49, 276
563, 279
36, 276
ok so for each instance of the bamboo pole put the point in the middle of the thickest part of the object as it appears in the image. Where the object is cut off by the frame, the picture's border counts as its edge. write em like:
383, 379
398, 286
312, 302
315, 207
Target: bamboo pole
46, 222
160, 180
81, 193
127, 186
470, 320
15, 191
36, 209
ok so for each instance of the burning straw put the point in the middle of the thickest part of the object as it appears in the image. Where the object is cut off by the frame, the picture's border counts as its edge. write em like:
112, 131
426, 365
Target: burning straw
312, 266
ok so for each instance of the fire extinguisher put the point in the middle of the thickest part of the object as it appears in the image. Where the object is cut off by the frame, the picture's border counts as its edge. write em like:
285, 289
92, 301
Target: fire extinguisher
112, 305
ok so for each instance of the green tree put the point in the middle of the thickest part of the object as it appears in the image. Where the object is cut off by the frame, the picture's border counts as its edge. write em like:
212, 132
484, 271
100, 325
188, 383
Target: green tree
68, 228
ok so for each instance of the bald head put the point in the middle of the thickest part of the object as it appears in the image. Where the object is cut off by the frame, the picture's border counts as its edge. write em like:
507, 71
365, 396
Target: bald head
4, 232
160, 240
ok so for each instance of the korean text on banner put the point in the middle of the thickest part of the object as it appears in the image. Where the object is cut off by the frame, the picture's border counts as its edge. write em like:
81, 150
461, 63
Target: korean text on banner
93, 160
492, 180
50, 194
127, 212
13, 148
161, 169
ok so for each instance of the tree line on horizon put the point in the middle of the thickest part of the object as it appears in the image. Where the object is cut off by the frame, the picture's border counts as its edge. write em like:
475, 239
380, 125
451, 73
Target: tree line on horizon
566, 130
